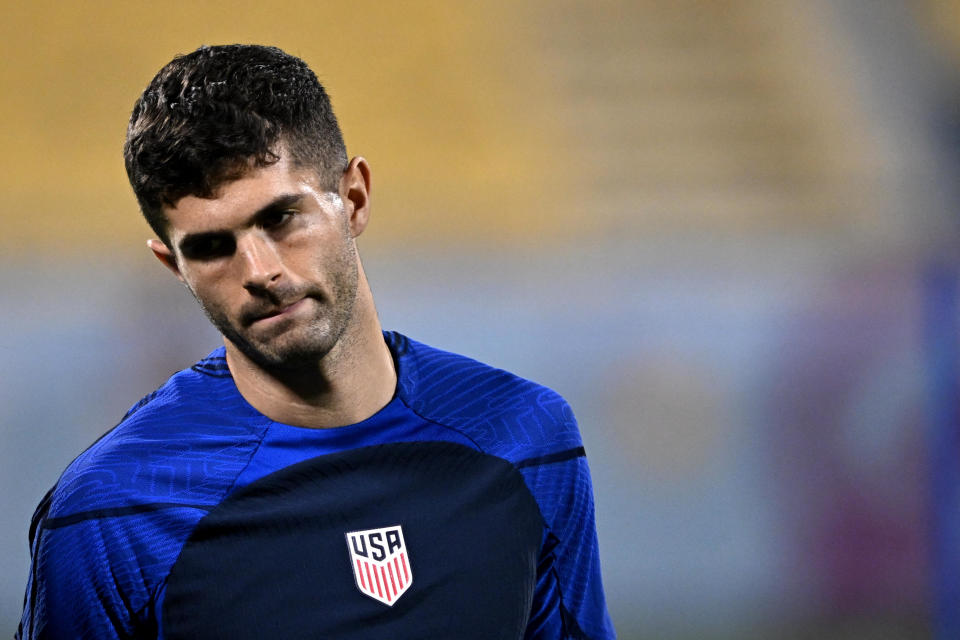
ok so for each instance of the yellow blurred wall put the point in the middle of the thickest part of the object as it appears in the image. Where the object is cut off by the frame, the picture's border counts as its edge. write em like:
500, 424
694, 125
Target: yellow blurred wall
486, 123
443, 98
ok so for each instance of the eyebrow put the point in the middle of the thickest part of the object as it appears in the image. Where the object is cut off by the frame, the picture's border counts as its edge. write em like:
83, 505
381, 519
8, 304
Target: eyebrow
279, 203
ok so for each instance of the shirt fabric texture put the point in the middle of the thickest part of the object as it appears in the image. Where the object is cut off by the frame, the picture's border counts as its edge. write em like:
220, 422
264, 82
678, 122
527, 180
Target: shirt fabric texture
198, 516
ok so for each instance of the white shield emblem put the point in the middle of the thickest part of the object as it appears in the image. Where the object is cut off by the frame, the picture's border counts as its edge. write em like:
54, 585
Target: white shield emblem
381, 565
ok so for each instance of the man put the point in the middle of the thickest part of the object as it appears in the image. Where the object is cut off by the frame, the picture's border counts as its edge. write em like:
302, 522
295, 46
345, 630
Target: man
316, 477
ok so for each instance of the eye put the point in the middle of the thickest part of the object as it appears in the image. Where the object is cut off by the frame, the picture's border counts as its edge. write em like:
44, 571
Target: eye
209, 246
276, 218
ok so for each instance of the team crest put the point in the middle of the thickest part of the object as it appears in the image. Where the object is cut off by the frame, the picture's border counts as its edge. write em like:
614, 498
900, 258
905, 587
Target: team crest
381, 565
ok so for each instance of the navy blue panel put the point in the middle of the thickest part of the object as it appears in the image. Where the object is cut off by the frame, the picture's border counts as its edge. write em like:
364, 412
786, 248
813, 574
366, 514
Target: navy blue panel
271, 561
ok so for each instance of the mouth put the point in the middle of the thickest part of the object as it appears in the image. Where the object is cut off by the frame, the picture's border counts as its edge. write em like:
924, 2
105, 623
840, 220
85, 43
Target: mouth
277, 312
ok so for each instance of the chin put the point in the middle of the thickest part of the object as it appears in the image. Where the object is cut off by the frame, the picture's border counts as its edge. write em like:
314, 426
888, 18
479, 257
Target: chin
290, 354
295, 349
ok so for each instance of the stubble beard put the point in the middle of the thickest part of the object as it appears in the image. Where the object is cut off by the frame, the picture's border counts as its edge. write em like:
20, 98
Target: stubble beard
315, 338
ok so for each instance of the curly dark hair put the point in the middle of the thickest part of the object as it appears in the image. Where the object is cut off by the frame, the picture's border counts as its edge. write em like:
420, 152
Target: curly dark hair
209, 115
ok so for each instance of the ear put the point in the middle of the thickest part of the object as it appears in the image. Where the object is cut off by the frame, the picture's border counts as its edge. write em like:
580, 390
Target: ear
355, 193
165, 256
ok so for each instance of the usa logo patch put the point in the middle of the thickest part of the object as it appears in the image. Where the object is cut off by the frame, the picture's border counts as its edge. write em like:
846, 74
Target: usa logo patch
381, 565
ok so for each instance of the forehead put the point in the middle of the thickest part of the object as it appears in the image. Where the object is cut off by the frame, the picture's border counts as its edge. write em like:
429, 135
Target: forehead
235, 201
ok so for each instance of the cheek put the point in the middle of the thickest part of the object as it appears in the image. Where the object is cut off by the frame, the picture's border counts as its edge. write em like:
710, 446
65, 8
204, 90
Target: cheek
211, 292
320, 252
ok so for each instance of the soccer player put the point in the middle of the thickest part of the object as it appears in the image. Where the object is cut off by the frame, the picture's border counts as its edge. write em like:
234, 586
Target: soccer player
315, 477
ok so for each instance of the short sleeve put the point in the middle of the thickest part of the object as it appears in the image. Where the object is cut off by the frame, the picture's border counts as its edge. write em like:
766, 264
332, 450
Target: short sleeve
76, 589
568, 601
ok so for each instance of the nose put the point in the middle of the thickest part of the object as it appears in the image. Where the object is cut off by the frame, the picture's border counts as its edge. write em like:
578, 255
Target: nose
260, 262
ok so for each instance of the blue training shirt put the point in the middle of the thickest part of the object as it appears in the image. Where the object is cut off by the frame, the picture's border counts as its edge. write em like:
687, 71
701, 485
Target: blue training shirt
462, 509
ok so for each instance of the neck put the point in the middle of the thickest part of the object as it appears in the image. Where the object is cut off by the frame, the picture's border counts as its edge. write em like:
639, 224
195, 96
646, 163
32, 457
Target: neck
351, 383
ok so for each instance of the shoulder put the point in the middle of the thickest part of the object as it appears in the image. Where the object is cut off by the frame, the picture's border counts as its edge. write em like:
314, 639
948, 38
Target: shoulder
185, 441
504, 414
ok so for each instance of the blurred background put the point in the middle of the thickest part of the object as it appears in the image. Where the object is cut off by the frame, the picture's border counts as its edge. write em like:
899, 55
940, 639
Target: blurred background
725, 230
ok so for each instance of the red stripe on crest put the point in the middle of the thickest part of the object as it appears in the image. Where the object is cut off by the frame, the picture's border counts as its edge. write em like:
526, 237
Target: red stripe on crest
386, 587
396, 567
360, 574
393, 582
377, 576
369, 577
406, 575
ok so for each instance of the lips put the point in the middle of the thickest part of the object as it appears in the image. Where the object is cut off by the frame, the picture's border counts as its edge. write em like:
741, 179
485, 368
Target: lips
266, 314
